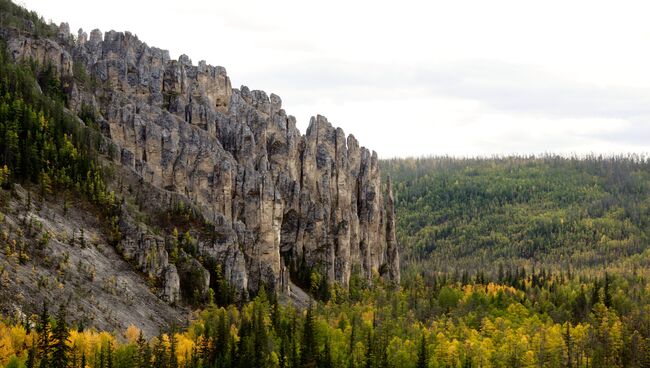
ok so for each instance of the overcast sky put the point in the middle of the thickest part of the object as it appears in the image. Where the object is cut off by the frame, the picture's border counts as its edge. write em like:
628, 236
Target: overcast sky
412, 78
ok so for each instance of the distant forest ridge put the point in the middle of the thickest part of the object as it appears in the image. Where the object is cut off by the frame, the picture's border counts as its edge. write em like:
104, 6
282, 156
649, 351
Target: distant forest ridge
515, 211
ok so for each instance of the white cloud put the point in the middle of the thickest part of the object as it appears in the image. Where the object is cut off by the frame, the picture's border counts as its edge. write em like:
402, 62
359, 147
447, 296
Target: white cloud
414, 77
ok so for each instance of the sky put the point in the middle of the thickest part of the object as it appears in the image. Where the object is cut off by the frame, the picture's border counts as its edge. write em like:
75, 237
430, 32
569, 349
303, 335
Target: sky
414, 78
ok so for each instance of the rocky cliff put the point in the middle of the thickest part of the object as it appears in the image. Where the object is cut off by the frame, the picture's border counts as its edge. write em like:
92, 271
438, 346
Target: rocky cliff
278, 201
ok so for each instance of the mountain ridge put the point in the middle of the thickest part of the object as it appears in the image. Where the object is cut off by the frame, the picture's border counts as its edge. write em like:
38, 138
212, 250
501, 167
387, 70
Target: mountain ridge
280, 208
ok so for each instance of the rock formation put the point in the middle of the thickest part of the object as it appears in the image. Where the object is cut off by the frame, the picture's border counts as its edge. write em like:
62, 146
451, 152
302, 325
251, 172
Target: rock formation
278, 200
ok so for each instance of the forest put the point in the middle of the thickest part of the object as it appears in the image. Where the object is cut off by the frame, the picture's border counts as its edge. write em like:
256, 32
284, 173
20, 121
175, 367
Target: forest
562, 213
507, 262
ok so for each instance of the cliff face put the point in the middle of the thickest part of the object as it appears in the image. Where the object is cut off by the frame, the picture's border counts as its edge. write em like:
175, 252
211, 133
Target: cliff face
278, 200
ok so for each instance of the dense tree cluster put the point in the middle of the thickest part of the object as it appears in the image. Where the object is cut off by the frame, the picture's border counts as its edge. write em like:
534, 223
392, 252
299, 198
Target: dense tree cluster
41, 143
508, 262
545, 319
17, 17
473, 214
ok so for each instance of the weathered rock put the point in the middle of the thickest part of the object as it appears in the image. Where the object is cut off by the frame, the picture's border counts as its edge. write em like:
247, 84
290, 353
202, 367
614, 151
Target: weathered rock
194, 278
392, 252
278, 200
171, 285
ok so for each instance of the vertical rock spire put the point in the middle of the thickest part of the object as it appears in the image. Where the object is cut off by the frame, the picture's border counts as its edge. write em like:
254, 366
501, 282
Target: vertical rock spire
273, 194
392, 253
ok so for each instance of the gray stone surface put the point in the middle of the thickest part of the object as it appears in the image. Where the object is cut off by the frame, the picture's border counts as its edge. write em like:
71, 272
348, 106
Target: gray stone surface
271, 193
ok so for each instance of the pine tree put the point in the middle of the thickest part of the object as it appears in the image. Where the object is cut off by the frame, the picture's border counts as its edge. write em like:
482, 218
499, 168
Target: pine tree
595, 294
73, 357
283, 351
293, 352
580, 306
144, 352
353, 336
607, 296
369, 351
569, 345
60, 335
259, 336
160, 354
308, 343
31, 357
102, 359
422, 354
109, 355
326, 359
173, 359
43, 330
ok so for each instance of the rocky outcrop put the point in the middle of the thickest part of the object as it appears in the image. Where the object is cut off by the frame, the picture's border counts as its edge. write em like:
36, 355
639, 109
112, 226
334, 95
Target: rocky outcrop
391, 238
149, 253
279, 201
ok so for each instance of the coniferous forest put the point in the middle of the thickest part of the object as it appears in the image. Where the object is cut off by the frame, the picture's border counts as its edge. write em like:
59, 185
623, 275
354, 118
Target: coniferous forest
506, 262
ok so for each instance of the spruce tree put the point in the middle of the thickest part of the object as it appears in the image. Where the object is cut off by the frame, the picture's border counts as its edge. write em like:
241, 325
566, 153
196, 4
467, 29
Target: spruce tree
31, 357
370, 356
326, 358
283, 351
60, 335
173, 359
607, 296
580, 306
43, 330
160, 354
260, 343
595, 294
144, 352
422, 354
109, 355
352, 340
308, 343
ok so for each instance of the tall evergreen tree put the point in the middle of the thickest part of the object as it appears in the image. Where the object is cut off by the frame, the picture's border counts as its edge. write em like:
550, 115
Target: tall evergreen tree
569, 345
173, 359
423, 359
31, 357
353, 336
160, 353
607, 296
595, 294
109, 355
60, 335
326, 357
580, 306
308, 343
44, 344
260, 343
370, 354
144, 352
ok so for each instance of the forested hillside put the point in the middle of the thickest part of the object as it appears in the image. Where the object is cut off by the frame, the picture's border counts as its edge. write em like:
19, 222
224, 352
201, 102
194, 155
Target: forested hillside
508, 262
493, 215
